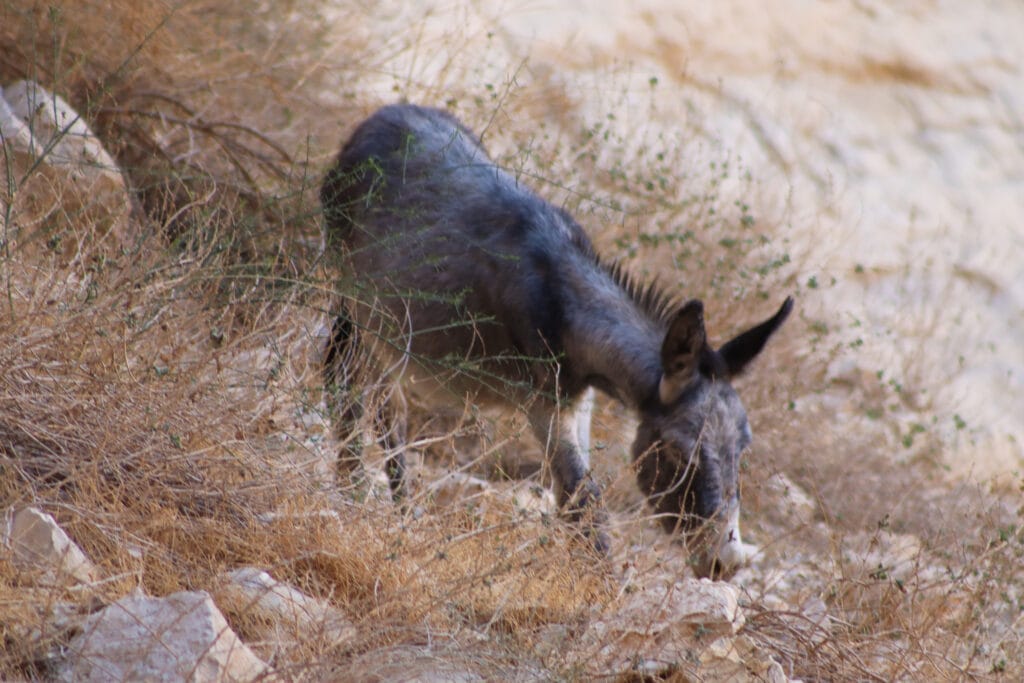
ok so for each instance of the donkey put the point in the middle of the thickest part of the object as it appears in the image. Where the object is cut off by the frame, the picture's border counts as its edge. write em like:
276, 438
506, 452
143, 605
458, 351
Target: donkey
466, 285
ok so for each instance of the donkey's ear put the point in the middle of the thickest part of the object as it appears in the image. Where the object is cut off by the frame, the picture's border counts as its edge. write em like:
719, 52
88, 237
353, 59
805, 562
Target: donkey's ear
741, 350
680, 352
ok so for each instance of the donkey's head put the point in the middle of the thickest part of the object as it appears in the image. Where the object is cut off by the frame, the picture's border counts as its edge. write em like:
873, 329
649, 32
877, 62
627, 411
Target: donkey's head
691, 435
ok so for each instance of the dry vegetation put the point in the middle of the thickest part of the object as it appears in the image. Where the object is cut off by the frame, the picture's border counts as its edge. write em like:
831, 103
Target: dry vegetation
160, 396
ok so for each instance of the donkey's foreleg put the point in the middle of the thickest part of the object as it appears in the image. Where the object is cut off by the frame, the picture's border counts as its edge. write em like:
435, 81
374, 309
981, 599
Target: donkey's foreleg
578, 494
584, 410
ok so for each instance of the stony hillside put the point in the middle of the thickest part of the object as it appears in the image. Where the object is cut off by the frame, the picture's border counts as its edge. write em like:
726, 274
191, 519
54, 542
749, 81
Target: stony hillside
170, 507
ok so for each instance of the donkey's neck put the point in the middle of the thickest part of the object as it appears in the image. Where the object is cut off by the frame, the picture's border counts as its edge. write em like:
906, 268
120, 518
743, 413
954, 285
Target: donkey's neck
611, 342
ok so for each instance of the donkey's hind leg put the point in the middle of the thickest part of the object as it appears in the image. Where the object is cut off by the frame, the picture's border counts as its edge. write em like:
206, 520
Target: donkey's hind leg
390, 424
344, 397
348, 400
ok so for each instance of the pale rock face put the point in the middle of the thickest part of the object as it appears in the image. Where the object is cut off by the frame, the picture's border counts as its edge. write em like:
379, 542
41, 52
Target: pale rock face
884, 139
38, 542
180, 637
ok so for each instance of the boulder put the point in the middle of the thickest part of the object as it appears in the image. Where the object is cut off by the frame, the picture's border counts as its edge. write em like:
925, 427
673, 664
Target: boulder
18, 149
797, 507
426, 664
458, 488
278, 613
656, 627
775, 673
37, 627
37, 542
67, 190
532, 499
739, 659
179, 637
14, 132
60, 132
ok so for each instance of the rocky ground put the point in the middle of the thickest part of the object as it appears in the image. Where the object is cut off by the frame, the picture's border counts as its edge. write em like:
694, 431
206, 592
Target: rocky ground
169, 505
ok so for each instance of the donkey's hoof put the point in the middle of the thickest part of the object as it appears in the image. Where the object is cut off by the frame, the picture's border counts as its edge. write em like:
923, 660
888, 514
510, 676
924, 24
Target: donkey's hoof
602, 544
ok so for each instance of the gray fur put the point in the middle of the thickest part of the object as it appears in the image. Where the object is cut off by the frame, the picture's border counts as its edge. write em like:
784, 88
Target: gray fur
463, 284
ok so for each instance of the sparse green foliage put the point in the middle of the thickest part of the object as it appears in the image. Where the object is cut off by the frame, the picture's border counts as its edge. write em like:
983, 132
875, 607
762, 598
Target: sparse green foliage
163, 400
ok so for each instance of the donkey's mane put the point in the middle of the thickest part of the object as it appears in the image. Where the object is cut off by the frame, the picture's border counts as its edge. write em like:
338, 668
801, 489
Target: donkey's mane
650, 297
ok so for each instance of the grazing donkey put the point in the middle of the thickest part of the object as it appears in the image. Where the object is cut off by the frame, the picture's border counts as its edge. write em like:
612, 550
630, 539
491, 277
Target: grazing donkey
467, 285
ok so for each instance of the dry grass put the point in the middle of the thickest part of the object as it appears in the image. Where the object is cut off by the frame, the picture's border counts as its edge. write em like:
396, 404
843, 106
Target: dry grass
162, 399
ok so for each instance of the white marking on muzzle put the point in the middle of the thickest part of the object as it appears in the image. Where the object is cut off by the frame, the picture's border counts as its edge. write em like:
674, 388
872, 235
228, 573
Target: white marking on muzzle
726, 553
732, 552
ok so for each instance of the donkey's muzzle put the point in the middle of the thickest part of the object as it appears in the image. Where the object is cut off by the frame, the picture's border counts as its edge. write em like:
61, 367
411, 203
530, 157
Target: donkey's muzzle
721, 551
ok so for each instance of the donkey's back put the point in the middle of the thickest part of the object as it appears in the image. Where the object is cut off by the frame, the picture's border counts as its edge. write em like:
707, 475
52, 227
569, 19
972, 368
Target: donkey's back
458, 267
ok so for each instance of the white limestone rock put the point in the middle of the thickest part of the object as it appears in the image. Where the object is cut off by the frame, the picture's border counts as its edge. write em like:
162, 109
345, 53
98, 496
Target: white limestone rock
660, 625
176, 638
60, 132
798, 507
285, 615
37, 541
67, 190
14, 132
